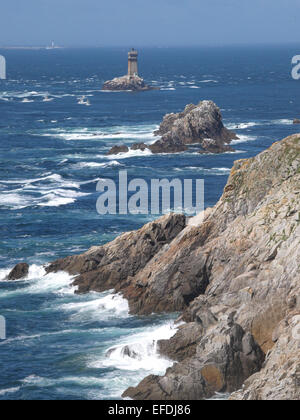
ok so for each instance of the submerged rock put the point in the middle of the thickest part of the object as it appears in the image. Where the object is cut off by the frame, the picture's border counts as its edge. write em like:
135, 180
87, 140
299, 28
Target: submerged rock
19, 272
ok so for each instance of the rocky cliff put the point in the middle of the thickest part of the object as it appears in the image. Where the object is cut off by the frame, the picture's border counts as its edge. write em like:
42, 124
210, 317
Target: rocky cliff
233, 272
198, 124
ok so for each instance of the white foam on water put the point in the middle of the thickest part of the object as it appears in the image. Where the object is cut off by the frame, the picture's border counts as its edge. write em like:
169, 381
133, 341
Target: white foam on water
122, 132
241, 126
23, 338
9, 391
249, 124
130, 154
47, 191
113, 163
14, 200
226, 170
208, 81
243, 138
52, 177
139, 351
282, 122
38, 282
103, 306
4, 272
60, 197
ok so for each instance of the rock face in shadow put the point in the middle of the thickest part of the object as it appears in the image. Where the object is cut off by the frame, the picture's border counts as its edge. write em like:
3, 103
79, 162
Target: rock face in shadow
127, 83
20, 271
280, 377
198, 124
232, 271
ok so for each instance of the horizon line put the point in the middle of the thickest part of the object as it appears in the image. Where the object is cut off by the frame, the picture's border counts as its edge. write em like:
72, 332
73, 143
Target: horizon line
86, 46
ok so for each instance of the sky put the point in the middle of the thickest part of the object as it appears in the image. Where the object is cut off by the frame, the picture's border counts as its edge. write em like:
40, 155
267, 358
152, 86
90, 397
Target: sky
149, 22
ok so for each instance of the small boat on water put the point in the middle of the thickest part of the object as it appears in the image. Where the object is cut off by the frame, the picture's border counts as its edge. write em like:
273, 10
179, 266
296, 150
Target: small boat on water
84, 101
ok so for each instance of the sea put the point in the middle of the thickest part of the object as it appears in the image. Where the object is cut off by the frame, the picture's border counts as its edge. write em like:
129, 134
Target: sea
60, 345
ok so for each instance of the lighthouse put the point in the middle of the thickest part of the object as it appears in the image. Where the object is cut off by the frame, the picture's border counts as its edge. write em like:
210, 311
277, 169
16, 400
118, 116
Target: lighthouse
132, 63
131, 81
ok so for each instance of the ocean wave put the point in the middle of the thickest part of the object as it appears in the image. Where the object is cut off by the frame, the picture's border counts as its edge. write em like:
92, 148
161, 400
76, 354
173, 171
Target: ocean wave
243, 138
130, 133
212, 171
130, 154
38, 281
208, 81
55, 178
47, 191
113, 163
23, 338
283, 121
9, 391
241, 126
250, 124
28, 96
102, 307
139, 351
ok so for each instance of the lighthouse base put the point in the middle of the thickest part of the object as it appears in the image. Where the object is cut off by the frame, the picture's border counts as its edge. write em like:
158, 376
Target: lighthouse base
127, 83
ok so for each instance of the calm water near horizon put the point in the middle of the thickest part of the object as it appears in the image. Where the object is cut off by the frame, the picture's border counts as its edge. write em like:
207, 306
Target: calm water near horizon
53, 152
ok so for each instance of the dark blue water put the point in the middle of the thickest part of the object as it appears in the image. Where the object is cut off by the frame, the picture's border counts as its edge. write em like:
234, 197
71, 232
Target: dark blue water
52, 153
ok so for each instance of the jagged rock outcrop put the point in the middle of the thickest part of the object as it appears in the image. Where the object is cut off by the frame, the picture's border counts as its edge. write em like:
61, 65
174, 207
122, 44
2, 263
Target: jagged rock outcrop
197, 124
127, 83
112, 265
233, 271
118, 149
296, 121
20, 271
